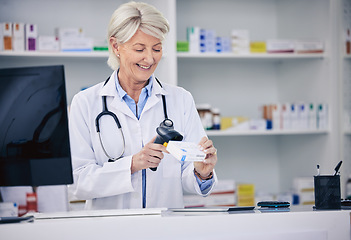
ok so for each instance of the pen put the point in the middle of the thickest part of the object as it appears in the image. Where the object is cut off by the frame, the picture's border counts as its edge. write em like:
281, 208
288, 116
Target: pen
317, 169
337, 168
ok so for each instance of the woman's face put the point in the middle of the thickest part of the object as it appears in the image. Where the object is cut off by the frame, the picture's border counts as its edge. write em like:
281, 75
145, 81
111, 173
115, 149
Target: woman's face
139, 56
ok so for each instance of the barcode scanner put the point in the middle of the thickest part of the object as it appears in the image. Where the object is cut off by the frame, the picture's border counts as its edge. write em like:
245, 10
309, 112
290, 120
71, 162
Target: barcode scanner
165, 133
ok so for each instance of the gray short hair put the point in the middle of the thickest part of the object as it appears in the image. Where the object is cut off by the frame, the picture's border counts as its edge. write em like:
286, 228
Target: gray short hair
130, 17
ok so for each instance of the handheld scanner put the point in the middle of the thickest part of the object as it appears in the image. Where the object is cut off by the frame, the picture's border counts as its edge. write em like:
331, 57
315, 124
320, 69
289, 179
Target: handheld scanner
166, 133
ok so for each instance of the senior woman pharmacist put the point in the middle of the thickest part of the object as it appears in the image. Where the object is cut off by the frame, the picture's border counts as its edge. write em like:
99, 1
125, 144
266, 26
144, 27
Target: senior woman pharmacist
133, 94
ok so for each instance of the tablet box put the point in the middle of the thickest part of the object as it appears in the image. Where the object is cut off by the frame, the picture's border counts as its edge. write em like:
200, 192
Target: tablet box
258, 47
309, 47
280, 46
185, 151
18, 37
8, 209
66, 33
6, 36
48, 44
182, 46
31, 32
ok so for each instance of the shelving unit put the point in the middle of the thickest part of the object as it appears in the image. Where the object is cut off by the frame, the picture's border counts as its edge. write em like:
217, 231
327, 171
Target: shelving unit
240, 84
345, 89
237, 84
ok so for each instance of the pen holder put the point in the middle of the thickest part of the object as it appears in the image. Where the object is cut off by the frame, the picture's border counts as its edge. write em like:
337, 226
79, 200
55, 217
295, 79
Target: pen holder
327, 192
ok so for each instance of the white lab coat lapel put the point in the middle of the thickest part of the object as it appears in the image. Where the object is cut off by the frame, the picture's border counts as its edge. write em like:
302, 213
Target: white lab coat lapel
155, 97
117, 104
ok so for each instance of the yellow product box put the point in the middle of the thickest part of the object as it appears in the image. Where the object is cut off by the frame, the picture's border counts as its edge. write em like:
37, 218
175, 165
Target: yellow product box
246, 201
246, 189
228, 122
258, 47
304, 188
246, 194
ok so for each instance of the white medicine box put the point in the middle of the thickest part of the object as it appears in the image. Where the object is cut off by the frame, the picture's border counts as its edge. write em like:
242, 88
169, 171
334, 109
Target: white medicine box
18, 37
31, 35
6, 36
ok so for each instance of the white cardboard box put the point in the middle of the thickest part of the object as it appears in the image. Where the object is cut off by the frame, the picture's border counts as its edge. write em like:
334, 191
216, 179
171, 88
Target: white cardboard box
48, 44
6, 36
18, 42
31, 35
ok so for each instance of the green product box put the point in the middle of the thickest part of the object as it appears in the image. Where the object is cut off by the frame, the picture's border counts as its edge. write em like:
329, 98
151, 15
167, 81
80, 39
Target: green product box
182, 46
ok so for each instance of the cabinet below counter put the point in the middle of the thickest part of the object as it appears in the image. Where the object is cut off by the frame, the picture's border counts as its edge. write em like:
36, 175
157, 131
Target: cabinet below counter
302, 225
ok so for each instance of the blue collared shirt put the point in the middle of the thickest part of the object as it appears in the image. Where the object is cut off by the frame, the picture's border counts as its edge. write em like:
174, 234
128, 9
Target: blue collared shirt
137, 110
144, 95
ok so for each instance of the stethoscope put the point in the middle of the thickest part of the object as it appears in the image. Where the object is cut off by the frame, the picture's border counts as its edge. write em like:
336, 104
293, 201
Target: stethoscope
105, 112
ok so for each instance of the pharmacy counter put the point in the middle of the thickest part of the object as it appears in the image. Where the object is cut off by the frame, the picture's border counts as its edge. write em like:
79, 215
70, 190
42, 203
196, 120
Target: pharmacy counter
295, 224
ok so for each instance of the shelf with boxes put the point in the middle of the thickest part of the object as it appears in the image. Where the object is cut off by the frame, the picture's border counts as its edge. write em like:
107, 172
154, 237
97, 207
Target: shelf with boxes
95, 54
20, 37
251, 55
264, 132
277, 119
23, 40
202, 42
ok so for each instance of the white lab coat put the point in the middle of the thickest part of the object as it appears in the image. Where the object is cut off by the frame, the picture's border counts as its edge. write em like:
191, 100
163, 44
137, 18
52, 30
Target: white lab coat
110, 185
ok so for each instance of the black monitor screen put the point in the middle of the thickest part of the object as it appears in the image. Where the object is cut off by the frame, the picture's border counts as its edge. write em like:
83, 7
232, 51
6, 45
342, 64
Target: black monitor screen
34, 139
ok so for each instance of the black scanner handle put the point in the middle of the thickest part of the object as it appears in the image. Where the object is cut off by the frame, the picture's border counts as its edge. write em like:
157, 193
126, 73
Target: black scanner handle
166, 134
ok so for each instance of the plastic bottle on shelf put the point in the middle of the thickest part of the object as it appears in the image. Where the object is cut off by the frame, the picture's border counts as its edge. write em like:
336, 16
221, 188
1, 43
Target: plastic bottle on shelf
216, 117
205, 115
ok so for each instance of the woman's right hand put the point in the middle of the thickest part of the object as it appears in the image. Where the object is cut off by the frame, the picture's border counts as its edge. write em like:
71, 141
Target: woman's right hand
149, 156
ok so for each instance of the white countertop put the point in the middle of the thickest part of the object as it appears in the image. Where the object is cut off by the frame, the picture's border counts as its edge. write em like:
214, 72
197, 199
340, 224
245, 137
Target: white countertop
299, 223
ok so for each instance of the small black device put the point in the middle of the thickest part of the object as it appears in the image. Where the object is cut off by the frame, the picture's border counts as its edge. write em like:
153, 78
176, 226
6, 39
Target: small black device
166, 133
346, 202
273, 204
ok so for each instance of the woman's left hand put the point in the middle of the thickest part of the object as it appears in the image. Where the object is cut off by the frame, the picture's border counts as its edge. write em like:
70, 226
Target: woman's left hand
206, 167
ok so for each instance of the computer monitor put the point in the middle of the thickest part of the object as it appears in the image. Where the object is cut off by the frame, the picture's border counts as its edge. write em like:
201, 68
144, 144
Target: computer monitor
34, 139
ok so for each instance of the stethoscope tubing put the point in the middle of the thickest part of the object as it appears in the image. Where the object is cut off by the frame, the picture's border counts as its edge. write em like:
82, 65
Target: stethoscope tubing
105, 111
103, 148
97, 124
